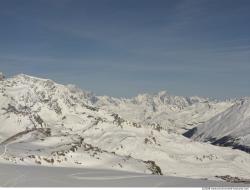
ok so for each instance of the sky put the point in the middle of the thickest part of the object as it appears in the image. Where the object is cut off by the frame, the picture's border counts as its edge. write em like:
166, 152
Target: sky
124, 47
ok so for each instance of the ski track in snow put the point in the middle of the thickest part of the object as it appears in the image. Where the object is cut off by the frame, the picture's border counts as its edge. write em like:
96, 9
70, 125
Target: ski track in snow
104, 176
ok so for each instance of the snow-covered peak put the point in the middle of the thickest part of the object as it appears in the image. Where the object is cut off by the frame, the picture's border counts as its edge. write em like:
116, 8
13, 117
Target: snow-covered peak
229, 128
27, 91
165, 98
163, 93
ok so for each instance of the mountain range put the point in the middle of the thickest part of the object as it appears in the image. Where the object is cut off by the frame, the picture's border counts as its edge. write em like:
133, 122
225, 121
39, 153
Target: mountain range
49, 124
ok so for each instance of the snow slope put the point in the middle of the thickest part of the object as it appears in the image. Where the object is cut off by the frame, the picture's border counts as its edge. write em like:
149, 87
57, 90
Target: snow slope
45, 123
30, 176
229, 128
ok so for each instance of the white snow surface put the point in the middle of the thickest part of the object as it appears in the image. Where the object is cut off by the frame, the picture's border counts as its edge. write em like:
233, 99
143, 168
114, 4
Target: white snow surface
37, 176
48, 124
234, 123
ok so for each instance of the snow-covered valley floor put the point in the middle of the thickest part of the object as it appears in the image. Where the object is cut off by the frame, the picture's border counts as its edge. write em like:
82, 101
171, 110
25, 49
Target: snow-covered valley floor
41, 176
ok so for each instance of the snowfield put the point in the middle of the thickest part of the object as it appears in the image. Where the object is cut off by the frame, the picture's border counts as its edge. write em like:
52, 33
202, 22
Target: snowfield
35, 176
47, 124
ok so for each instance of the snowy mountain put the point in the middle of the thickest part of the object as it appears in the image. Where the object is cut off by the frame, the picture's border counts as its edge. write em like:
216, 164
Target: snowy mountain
48, 124
173, 113
43, 121
229, 128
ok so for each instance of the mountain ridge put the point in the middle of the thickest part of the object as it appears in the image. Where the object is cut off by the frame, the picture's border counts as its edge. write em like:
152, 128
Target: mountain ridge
229, 128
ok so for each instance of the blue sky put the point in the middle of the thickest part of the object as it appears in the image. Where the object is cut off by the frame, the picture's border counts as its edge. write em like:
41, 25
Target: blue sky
125, 47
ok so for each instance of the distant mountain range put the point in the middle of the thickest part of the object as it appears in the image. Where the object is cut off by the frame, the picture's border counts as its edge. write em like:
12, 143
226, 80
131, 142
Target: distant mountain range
46, 123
